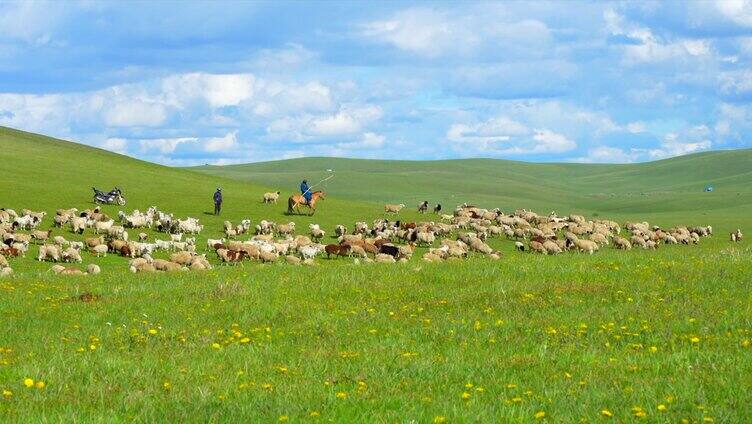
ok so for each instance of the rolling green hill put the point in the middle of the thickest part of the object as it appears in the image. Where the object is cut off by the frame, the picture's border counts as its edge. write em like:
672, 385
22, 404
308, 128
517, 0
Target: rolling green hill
668, 186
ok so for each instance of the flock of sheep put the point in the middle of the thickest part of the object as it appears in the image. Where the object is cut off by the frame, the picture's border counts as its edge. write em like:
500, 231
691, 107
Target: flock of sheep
457, 235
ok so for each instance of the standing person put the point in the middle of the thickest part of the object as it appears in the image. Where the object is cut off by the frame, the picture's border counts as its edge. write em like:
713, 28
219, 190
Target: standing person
217, 201
305, 191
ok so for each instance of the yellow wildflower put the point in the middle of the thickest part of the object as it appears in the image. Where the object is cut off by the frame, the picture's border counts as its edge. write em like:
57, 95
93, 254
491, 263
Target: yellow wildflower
314, 414
465, 395
40, 384
152, 331
540, 414
607, 413
439, 419
283, 418
341, 395
695, 339
28, 382
7, 393
662, 407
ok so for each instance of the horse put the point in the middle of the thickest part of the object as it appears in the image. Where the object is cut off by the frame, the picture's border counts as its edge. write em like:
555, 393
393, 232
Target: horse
297, 199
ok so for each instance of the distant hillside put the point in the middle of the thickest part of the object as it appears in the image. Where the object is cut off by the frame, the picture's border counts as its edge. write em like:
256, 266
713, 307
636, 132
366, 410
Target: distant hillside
45, 173
663, 186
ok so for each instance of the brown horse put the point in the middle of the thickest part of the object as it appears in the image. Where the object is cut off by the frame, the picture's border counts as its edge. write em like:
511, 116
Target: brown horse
297, 199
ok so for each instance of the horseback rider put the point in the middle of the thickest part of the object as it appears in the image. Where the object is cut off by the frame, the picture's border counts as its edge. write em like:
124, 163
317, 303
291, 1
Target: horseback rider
306, 191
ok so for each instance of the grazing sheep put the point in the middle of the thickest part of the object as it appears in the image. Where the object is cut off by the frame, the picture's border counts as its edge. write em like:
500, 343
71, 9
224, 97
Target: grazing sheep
286, 229
599, 238
340, 230
41, 235
425, 238
49, 251
93, 269
309, 251
71, 255
588, 246
265, 256
622, 243
316, 233
60, 241
182, 258
519, 246
100, 250
423, 206
551, 247
142, 237
6, 272
337, 250
94, 241
271, 197
432, 257
358, 252
537, 247
737, 235
395, 209
384, 258
103, 227
3, 262
57, 269
293, 260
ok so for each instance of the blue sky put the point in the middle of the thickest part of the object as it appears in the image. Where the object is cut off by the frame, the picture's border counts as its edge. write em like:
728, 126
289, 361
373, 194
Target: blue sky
184, 83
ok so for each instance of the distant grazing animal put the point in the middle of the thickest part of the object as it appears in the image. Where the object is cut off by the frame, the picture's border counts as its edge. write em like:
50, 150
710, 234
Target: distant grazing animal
337, 250
390, 250
519, 246
737, 235
423, 206
437, 208
390, 208
271, 197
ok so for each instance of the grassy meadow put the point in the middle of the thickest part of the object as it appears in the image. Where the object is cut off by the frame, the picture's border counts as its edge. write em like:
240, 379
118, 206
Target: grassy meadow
636, 336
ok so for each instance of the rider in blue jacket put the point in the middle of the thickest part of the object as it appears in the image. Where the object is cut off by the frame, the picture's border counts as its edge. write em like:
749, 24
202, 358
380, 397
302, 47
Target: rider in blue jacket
305, 191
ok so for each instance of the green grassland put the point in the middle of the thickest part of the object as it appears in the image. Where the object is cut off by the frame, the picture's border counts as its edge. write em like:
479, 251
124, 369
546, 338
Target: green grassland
637, 336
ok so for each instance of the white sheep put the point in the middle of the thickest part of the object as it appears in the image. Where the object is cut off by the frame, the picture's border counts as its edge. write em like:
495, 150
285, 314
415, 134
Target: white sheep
100, 250
391, 208
271, 197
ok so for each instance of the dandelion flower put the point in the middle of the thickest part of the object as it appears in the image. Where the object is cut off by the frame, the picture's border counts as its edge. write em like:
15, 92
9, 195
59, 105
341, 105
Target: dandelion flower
707, 419
439, 419
216, 345
695, 339
540, 414
314, 414
28, 382
662, 407
653, 349
152, 331
283, 418
40, 384
465, 395
245, 340
341, 395
607, 413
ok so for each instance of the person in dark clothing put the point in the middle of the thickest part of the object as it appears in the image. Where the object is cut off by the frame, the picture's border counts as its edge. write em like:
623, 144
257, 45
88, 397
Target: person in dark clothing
306, 191
217, 201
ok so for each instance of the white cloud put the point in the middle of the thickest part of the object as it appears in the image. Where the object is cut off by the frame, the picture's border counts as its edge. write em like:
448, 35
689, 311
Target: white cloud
117, 145
368, 140
736, 82
135, 113
427, 32
348, 120
165, 145
636, 127
739, 11
648, 47
495, 129
502, 135
673, 146
551, 142
608, 154
218, 90
222, 144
